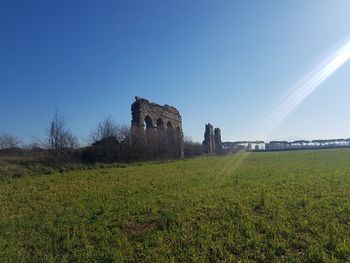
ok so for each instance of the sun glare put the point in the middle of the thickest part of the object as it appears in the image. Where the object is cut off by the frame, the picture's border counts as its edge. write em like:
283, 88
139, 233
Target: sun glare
300, 91
304, 88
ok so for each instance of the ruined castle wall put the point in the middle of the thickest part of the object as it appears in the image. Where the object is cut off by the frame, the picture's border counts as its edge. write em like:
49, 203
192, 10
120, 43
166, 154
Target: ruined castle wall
142, 108
149, 115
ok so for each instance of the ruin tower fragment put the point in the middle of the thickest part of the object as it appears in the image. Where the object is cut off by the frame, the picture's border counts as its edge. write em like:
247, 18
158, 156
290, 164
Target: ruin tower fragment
212, 139
217, 139
208, 142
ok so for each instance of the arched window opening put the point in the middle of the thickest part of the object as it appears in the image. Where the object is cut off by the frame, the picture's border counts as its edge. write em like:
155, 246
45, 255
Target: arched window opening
160, 124
148, 122
169, 125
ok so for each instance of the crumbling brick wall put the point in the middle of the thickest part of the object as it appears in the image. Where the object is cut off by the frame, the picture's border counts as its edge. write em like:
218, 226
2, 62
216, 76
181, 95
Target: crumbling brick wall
149, 116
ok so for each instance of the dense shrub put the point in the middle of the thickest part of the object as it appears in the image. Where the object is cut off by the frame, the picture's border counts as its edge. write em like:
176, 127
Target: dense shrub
193, 148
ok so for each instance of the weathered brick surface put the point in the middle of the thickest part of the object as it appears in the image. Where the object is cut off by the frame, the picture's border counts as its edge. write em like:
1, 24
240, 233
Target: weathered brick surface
150, 115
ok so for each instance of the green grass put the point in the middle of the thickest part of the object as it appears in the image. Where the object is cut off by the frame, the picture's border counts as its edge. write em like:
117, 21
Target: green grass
265, 207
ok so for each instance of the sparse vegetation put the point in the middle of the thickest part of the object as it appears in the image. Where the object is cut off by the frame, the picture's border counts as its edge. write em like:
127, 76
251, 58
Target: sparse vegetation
59, 141
249, 207
9, 141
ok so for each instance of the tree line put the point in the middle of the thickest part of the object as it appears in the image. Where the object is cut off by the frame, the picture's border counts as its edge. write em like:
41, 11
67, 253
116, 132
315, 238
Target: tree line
107, 142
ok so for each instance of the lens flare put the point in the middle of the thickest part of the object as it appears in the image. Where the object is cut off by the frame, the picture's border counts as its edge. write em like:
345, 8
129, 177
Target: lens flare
304, 88
299, 92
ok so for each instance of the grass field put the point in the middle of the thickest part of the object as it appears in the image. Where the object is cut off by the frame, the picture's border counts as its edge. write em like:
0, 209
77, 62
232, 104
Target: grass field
265, 207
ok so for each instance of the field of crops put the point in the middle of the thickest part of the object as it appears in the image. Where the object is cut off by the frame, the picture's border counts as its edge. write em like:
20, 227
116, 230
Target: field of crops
282, 206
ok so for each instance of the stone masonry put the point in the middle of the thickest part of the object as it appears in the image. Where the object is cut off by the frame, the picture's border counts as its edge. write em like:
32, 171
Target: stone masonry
212, 139
151, 116
217, 139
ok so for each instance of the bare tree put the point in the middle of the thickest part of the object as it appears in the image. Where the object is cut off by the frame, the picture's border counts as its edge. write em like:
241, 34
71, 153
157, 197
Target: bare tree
59, 138
155, 143
192, 148
104, 129
109, 128
126, 144
123, 133
8, 141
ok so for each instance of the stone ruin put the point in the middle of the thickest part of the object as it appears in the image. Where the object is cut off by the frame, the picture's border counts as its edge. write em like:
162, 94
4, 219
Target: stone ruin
151, 117
212, 139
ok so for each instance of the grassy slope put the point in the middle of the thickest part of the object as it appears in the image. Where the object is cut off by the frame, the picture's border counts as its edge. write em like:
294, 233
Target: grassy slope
250, 207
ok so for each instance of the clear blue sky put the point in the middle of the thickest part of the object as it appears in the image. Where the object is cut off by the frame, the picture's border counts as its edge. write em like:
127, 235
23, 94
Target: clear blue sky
224, 62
